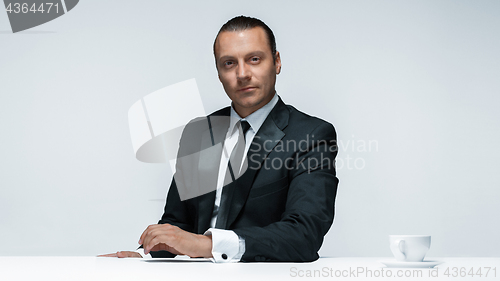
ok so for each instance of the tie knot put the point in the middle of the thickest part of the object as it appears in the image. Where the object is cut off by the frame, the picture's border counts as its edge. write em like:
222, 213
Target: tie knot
244, 126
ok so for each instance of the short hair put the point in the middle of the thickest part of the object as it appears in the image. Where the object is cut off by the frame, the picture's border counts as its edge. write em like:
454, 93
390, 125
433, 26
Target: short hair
241, 23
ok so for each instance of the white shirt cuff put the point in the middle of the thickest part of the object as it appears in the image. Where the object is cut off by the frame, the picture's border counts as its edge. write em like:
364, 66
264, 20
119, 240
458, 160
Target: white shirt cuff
227, 246
141, 252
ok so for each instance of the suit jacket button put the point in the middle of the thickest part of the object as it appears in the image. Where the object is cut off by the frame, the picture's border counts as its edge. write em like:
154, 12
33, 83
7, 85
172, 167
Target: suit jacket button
224, 256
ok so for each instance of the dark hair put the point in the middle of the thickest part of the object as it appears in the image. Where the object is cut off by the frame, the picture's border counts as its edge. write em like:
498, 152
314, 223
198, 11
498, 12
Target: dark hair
241, 23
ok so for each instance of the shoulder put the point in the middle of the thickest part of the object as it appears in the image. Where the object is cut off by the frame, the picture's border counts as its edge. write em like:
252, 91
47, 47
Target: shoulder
226, 111
200, 124
303, 122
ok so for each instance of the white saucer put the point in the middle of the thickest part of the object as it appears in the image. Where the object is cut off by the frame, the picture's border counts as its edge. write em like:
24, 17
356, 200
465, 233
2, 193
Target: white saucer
410, 264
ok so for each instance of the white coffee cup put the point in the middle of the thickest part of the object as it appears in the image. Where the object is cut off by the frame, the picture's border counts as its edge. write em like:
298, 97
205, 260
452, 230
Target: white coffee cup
411, 248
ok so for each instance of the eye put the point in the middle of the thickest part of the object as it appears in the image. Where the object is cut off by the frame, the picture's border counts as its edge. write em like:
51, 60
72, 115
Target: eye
228, 63
255, 59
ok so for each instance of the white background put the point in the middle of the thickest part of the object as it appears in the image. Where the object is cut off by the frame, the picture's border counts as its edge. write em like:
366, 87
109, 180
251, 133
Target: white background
417, 78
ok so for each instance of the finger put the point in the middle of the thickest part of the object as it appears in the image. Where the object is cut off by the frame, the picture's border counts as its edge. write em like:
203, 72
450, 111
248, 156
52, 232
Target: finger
128, 254
108, 255
145, 242
159, 242
148, 244
146, 232
152, 234
164, 234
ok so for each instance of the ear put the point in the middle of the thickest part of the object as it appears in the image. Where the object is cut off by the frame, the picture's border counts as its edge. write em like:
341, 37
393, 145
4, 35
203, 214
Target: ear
277, 63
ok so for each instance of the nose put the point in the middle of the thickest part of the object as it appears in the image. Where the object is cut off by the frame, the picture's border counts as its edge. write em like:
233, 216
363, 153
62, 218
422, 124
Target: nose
243, 72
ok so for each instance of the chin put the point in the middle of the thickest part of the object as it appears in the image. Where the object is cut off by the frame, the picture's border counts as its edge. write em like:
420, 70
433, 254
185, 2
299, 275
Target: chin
250, 102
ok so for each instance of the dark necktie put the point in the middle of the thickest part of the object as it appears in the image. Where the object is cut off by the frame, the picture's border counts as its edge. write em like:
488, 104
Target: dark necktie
233, 172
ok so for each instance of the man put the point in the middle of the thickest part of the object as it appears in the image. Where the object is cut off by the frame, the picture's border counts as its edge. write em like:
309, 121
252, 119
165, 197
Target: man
282, 205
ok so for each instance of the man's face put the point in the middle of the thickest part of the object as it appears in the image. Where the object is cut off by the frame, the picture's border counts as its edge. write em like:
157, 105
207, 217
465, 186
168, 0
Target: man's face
246, 68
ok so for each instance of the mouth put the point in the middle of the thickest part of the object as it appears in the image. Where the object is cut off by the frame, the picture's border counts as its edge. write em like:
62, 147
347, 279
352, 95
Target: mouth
246, 89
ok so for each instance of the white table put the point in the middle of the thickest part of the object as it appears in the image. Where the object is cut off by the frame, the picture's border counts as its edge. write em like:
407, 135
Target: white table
93, 268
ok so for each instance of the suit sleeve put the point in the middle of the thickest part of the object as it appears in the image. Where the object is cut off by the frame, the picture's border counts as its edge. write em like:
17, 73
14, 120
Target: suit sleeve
309, 209
178, 212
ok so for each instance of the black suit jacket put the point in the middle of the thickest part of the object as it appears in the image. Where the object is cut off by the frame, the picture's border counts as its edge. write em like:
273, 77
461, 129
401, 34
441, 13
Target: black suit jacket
283, 204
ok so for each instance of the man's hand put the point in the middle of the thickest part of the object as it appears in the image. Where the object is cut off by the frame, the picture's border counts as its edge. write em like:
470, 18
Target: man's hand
123, 254
175, 240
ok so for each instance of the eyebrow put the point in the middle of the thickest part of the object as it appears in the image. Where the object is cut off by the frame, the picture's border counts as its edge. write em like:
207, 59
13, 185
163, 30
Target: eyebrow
256, 53
251, 54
